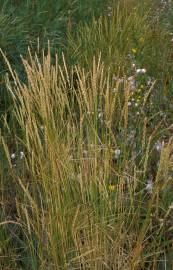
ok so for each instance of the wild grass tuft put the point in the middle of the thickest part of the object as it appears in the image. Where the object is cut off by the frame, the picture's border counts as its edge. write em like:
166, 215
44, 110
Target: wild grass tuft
86, 194
86, 153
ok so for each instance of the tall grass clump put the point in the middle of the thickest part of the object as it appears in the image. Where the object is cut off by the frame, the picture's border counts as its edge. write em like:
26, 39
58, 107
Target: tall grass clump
31, 23
86, 146
84, 185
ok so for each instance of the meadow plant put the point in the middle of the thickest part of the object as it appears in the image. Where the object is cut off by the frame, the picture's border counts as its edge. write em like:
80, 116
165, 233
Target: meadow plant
86, 142
85, 195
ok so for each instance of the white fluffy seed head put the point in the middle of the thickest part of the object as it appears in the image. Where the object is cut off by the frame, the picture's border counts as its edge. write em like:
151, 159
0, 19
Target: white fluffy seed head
141, 71
117, 153
13, 156
21, 154
159, 145
149, 186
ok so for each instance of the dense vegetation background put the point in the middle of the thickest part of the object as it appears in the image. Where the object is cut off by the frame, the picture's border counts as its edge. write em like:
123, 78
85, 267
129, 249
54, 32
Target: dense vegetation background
31, 24
86, 121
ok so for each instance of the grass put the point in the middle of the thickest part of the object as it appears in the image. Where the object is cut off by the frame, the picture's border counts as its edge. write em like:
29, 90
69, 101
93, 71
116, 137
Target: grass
32, 23
86, 150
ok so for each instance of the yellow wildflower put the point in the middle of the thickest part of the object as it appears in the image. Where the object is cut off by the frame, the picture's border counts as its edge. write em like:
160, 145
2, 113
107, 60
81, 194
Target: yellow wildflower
141, 40
134, 50
111, 187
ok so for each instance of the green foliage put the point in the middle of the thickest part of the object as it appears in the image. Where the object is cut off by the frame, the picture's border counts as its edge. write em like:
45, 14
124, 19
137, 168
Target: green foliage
86, 149
33, 23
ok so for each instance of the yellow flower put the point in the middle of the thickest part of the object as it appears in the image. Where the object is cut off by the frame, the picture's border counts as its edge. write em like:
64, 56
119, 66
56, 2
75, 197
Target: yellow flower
111, 187
134, 50
141, 40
